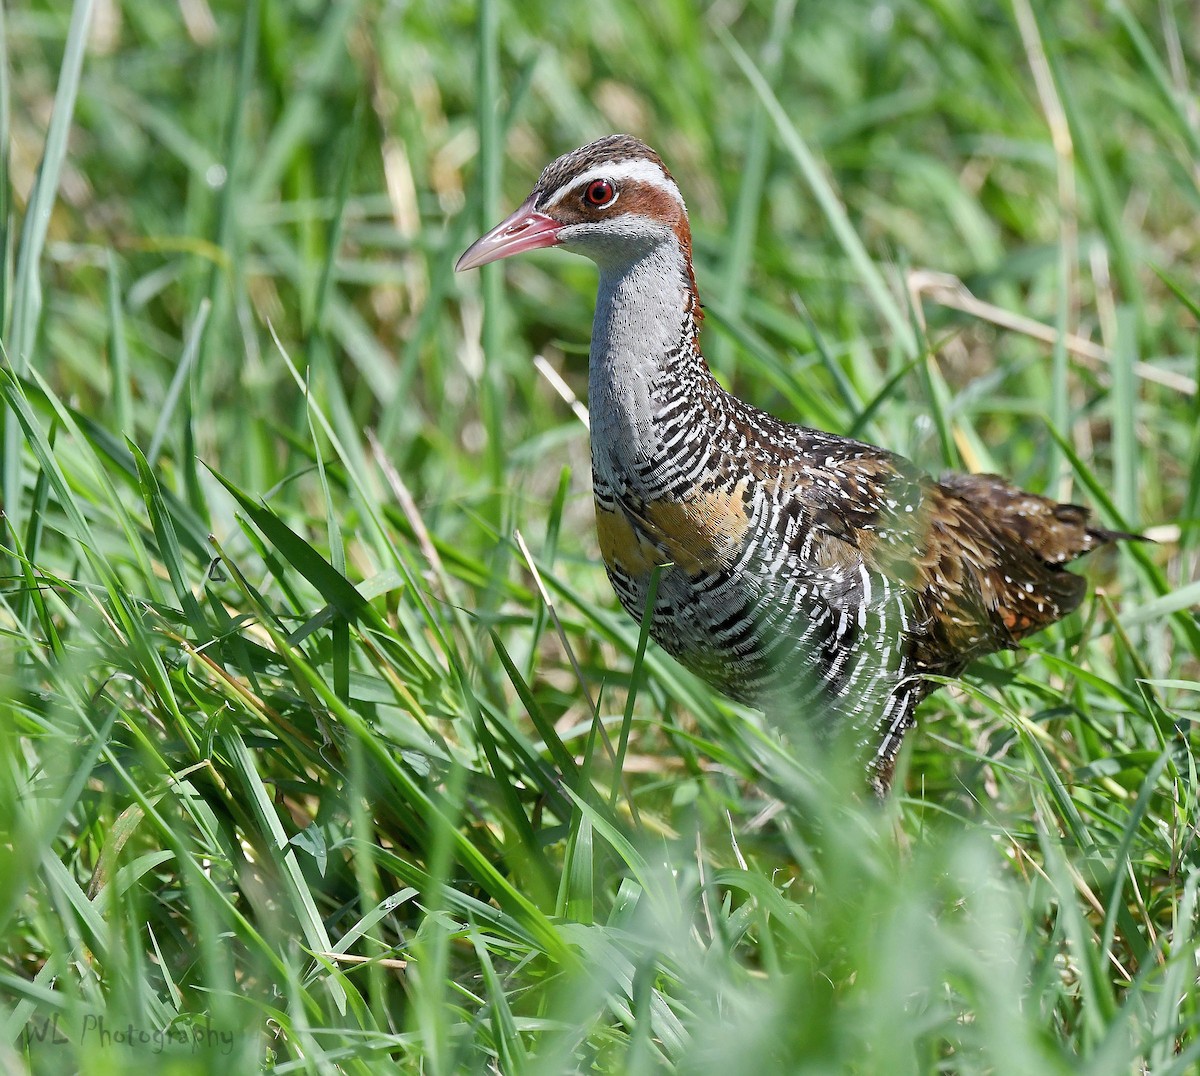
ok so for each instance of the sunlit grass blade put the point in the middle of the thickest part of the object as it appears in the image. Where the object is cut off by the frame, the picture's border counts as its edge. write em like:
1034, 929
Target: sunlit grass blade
827, 198
23, 317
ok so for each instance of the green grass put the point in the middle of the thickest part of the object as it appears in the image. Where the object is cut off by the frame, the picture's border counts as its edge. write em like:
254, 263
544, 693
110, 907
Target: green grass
313, 685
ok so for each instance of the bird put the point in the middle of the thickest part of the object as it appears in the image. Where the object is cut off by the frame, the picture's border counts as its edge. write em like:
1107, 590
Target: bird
812, 576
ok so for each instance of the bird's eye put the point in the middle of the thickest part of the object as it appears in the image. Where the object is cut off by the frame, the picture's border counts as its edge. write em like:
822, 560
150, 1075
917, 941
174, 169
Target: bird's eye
600, 193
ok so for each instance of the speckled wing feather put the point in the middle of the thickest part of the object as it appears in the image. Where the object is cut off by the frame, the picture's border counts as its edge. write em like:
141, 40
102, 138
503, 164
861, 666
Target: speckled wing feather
982, 558
994, 567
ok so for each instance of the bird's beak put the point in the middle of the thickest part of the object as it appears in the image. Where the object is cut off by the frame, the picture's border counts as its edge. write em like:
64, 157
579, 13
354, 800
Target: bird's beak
525, 230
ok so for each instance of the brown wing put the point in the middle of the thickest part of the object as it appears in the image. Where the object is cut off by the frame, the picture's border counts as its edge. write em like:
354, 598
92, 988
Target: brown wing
1055, 533
992, 569
983, 564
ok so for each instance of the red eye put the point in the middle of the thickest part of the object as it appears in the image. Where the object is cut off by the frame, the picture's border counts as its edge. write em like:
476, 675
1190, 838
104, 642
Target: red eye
599, 193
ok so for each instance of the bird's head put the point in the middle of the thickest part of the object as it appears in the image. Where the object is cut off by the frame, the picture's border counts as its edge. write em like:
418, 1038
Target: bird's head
612, 201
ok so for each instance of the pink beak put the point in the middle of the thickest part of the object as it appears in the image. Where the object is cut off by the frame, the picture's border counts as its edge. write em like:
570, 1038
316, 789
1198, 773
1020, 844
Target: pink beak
524, 230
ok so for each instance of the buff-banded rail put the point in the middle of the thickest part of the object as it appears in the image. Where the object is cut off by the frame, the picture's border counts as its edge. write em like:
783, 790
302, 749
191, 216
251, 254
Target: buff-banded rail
809, 575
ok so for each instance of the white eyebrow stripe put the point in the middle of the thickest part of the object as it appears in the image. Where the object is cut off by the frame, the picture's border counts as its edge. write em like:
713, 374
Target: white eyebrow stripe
642, 171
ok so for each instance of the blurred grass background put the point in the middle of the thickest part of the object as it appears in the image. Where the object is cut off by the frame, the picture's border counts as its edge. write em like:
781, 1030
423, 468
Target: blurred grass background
313, 685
